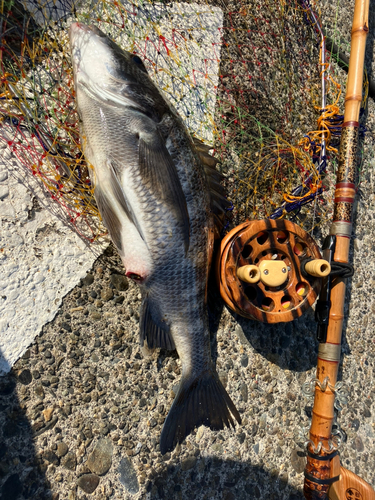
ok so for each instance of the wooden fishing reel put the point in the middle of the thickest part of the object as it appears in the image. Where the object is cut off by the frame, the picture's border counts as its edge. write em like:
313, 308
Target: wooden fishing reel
269, 270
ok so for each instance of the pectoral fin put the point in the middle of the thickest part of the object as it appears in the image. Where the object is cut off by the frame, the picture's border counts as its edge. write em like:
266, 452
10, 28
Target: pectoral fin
159, 174
109, 217
113, 204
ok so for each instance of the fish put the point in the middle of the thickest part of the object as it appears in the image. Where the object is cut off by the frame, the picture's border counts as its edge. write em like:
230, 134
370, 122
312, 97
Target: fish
159, 195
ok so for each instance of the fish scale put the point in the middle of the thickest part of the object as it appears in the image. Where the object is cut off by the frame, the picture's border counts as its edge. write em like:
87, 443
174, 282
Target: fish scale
155, 197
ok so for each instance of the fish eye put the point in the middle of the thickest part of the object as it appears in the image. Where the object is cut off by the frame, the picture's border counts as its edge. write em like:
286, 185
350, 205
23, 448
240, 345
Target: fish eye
137, 60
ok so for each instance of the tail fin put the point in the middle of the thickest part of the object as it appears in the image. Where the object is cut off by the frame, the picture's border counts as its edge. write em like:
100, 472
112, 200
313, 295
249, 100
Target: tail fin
199, 401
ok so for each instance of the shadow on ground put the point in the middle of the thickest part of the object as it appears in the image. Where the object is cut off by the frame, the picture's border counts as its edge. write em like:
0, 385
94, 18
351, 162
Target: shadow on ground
230, 480
291, 346
21, 471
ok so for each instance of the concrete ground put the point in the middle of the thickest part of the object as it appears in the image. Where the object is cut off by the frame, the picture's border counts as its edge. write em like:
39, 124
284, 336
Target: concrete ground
82, 410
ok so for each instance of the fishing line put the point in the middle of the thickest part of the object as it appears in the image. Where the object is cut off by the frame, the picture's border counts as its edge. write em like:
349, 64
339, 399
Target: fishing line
246, 81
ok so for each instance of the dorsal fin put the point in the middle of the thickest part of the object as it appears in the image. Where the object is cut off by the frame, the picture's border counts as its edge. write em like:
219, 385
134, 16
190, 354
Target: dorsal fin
219, 203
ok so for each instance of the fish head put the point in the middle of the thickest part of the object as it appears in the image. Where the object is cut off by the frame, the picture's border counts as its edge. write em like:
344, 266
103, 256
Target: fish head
96, 57
108, 73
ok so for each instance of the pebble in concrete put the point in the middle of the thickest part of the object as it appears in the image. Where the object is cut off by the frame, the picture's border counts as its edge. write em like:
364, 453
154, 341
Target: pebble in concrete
25, 377
62, 449
100, 459
298, 462
120, 282
188, 463
88, 482
106, 294
128, 476
69, 461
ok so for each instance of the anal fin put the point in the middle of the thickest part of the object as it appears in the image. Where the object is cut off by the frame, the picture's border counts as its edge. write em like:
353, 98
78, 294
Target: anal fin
153, 329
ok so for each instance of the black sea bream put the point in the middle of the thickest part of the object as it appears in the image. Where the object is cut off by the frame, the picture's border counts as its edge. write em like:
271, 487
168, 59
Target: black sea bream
156, 199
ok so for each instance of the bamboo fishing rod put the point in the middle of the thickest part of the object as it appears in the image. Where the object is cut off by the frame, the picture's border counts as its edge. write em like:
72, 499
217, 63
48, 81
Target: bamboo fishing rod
324, 477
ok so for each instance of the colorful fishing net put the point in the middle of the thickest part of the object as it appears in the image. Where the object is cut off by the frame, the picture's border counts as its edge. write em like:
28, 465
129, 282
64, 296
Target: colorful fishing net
245, 76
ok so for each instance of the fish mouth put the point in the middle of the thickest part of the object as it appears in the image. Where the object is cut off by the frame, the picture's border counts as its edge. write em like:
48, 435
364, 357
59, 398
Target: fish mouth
79, 34
95, 60
75, 32
77, 28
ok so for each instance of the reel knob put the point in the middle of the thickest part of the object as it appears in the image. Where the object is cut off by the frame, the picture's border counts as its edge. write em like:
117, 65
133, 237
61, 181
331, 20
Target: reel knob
250, 274
259, 272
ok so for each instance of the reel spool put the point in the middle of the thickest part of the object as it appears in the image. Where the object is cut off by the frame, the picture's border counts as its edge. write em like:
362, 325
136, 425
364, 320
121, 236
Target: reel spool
262, 274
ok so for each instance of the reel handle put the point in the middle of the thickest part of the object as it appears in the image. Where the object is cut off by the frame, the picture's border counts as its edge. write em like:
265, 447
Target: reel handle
249, 274
318, 268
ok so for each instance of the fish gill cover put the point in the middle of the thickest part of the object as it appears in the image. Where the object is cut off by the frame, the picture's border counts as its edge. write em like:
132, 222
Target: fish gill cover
245, 76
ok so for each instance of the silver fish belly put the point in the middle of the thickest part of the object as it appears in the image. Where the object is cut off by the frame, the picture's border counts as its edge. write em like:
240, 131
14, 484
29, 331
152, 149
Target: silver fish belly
156, 199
